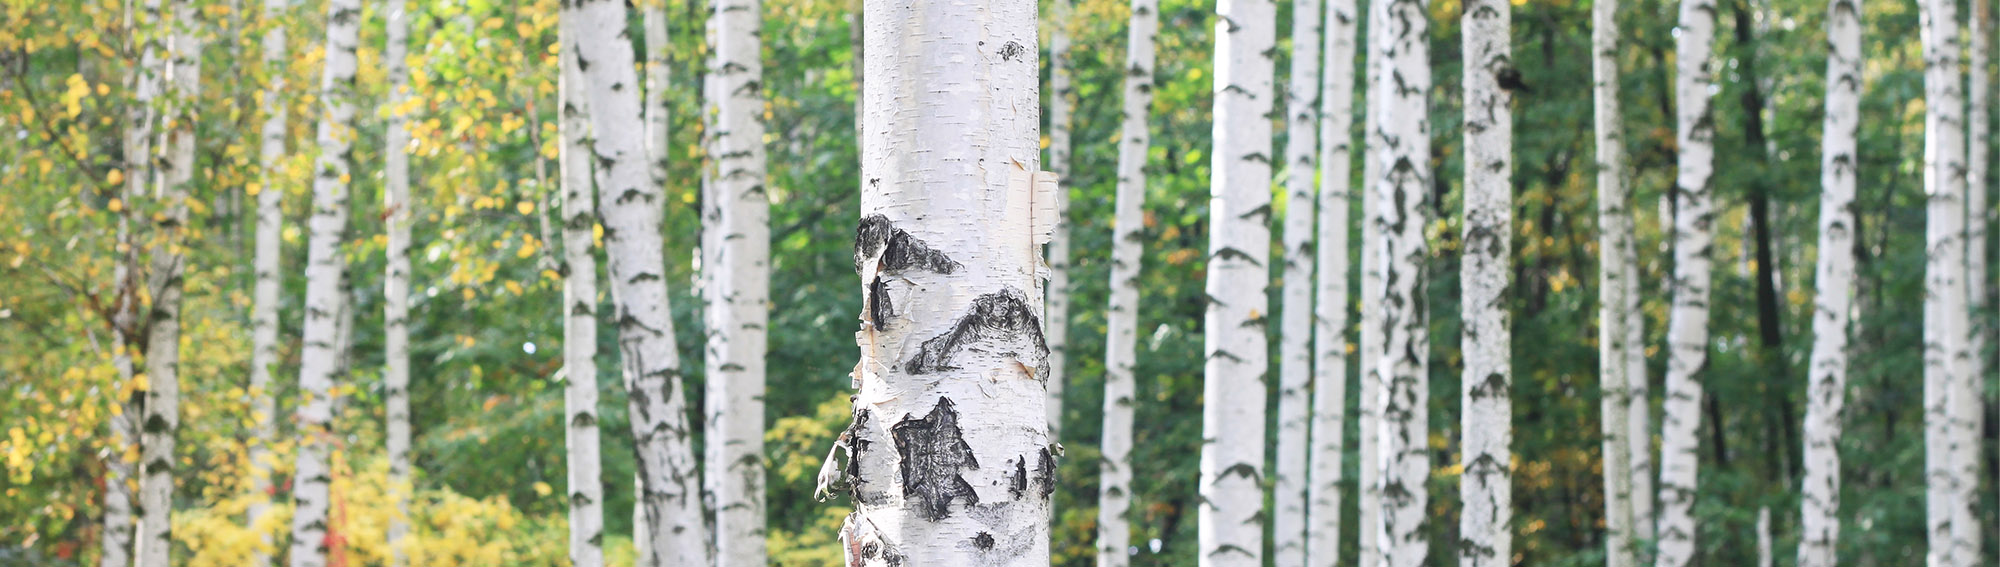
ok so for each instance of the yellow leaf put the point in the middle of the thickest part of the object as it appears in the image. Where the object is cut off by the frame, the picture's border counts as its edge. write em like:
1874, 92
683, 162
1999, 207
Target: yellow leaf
118, 176
525, 207
514, 287
116, 204
543, 489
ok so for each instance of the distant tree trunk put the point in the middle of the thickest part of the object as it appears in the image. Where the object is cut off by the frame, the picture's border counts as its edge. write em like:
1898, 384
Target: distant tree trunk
1403, 188
1485, 538
1114, 487
659, 146
1638, 399
1232, 517
1764, 536
161, 419
1296, 322
1950, 492
265, 266
739, 282
1059, 156
397, 209
1372, 338
579, 312
1329, 411
143, 81
1687, 326
1826, 388
631, 208
951, 462
1978, 324
321, 359
1615, 248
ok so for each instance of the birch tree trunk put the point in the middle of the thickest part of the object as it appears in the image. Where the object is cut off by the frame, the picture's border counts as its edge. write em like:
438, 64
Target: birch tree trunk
1485, 487
1687, 325
659, 144
161, 419
265, 266
325, 295
1403, 188
120, 525
1059, 155
1329, 411
951, 461
397, 210
1370, 505
739, 282
1232, 517
1970, 412
1296, 322
1826, 388
631, 210
1638, 396
579, 270
1614, 245
1114, 486
1950, 491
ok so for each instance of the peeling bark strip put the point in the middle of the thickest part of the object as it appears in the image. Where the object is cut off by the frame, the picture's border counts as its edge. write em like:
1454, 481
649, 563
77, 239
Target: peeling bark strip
1004, 318
933, 452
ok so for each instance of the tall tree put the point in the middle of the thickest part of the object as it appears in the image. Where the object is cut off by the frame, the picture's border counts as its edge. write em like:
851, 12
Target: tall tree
143, 81
321, 359
659, 143
631, 210
1232, 517
1114, 486
951, 462
1296, 322
1615, 248
739, 281
1486, 539
1949, 489
1368, 425
1826, 387
579, 312
1059, 156
1403, 187
1687, 325
1330, 322
1979, 327
397, 210
265, 266
160, 422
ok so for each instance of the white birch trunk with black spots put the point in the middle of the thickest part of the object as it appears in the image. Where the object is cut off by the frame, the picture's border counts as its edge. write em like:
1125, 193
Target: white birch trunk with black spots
1693, 249
1330, 322
1296, 320
265, 265
1372, 336
398, 213
579, 313
659, 144
1486, 486
1950, 398
161, 419
144, 81
1402, 190
1057, 324
1826, 386
1971, 411
1614, 245
1114, 486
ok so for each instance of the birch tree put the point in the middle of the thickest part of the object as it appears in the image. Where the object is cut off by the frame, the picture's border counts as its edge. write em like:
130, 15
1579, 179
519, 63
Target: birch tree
1950, 525
1232, 518
1059, 155
1970, 413
265, 264
1485, 487
1826, 387
161, 419
1403, 190
950, 458
1114, 486
397, 210
143, 81
1693, 241
739, 281
1296, 325
1614, 245
659, 142
1368, 426
1329, 411
631, 210
579, 308
325, 296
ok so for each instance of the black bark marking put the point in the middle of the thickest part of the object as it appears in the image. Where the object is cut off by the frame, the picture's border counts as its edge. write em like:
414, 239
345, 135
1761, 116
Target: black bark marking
1003, 316
856, 444
880, 309
1045, 472
1018, 484
898, 250
1011, 50
933, 452
983, 541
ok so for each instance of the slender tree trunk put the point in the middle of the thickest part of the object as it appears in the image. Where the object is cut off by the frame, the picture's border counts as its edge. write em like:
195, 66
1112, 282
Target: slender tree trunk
1614, 245
1403, 190
1059, 156
1232, 517
1638, 397
1485, 539
1372, 337
659, 145
161, 419
265, 266
325, 295
1978, 323
1114, 487
631, 209
1950, 493
579, 309
951, 461
1296, 322
1687, 326
143, 81
1826, 388
739, 283
1329, 411
1764, 536
397, 209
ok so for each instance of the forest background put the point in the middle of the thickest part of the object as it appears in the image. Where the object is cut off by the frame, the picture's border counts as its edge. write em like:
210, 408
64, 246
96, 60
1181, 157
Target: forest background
486, 325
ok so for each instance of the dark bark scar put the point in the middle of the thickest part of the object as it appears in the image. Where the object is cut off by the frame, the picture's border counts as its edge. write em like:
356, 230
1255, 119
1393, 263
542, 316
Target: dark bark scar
1002, 317
933, 454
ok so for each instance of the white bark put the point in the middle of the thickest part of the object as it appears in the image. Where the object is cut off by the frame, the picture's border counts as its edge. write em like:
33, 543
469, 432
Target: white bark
1826, 387
161, 418
739, 282
1948, 460
1485, 487
325, 294
579, 312
1638, 404
1114, 486
265, 265
1693, 241
1614, 240
631, 209
1969, 412
1402, 187
1296, 320
1329, 411
1232, 518
951, 461
1057, 326
120, 526
659, 144
1764, 536
1368, 426
397, 210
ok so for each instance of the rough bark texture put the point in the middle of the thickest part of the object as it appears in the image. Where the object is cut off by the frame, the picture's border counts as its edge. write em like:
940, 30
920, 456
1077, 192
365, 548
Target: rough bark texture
1485, 488
1403, 187
1949, 439
1232, 519
1614, 245
1296, 319
738, 273
265, 265
659, 145
1114, 486
1059, 155
1693, 243
160, 420
397, 214
321, 358
579, 313
1330, 322
950, 458
631, 209
1826, 386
